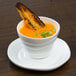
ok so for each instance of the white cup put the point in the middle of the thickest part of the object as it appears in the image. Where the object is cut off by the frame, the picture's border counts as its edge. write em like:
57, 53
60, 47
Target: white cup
39, 47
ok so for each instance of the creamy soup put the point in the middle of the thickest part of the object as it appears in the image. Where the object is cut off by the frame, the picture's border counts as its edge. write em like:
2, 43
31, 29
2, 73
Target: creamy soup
44, 32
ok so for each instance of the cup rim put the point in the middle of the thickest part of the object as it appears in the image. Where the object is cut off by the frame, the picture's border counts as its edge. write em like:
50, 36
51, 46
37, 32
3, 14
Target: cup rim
41, 38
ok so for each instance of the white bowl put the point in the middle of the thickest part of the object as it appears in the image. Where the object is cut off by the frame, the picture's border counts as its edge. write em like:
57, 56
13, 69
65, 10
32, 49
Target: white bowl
39, 47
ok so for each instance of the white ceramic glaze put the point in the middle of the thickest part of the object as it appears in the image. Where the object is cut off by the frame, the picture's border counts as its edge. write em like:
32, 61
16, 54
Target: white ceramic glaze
39, 47
59, 55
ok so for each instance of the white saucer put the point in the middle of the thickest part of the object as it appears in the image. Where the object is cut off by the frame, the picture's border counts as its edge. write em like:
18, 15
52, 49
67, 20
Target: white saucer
59, 55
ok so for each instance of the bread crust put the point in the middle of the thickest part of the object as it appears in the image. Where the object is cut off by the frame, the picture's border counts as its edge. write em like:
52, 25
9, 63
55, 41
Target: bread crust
28, 16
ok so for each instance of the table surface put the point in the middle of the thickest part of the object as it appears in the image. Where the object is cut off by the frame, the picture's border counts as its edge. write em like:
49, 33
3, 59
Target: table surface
64, 11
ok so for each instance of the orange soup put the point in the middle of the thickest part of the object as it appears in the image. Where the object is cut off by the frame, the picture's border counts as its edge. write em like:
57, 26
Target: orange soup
47, 31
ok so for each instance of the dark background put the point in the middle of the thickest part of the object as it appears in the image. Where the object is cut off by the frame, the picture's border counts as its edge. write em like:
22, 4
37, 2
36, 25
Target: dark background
64, 11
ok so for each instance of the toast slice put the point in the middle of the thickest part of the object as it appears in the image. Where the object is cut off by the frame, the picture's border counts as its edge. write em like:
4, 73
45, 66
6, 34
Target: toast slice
28, 16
